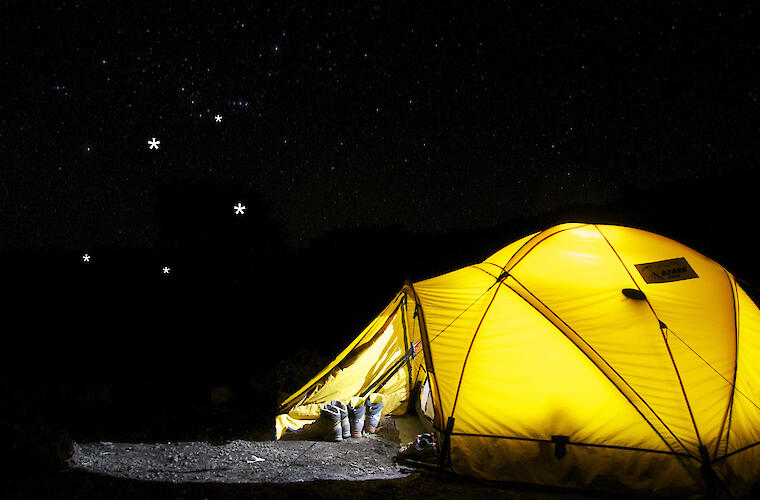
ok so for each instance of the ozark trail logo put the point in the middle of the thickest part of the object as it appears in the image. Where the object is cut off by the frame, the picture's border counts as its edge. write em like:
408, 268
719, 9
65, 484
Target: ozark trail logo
665, 271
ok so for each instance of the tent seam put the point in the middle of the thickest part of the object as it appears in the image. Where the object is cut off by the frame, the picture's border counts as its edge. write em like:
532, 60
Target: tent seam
403, 325
479, 269
504, 268
579, 443
426, 352
469, 349
600, 368
498, 283
670, 353
745, 448
460, 314
736, 367
492, 264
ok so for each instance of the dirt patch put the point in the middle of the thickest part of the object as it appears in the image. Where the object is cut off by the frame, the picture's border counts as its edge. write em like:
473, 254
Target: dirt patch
369, 457
239, 469
350, 469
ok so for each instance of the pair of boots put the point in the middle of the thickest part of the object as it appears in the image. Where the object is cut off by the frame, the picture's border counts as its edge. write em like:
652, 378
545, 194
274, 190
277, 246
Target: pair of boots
359, 414
338, 421
364, 413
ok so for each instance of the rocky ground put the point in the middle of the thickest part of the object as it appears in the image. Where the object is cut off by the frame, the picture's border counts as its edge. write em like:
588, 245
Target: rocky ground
182, 459
243, 461
257, 469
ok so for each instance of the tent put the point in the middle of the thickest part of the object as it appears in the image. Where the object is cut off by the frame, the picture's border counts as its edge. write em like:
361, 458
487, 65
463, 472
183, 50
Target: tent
584, 355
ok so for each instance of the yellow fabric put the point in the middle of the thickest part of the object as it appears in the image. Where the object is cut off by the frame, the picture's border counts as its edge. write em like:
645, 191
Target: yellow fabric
356, 401
461, 298
350, 374
576, 275
375, 398
583, 467
539, 341
742, 465
700, 318
740, 470
541, 392
365, 335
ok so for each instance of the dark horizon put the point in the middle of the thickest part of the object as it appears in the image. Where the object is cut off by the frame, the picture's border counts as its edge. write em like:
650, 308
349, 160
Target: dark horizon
222, 272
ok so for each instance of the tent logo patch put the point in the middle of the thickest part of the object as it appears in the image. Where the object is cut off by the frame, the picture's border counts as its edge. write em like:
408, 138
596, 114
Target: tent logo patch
665, 271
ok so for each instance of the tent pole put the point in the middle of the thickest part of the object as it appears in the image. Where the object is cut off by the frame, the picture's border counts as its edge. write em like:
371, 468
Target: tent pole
385, 377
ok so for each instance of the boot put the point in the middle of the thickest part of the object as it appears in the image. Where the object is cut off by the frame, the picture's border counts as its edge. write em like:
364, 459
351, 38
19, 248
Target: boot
423, 448
356, 415
326, 428
345, 426
374, 407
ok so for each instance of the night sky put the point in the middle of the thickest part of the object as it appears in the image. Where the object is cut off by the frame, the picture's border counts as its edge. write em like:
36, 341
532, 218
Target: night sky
352, 116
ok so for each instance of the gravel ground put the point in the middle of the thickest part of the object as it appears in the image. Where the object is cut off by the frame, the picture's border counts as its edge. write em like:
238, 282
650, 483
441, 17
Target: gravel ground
273, 469
350, 469
243, 461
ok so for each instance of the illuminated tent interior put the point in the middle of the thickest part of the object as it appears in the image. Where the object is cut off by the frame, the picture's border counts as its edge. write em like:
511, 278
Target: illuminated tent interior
581, 356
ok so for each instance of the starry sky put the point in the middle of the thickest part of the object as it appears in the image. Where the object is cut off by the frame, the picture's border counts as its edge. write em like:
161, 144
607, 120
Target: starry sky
370, 142
356, 115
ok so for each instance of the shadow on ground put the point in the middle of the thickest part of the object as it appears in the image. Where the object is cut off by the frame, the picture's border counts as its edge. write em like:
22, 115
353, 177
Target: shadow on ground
75, 483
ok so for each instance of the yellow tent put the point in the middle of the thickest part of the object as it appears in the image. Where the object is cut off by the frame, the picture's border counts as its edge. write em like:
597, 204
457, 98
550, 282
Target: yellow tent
584, 355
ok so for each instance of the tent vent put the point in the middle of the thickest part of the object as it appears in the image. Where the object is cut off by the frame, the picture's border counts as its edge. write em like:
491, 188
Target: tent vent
663, 325
635, 294
559, 446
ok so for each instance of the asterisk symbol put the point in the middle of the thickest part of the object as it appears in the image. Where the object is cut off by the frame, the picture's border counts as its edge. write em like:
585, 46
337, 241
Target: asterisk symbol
166, 269
86, 257
239, 209
218, 118
154, 144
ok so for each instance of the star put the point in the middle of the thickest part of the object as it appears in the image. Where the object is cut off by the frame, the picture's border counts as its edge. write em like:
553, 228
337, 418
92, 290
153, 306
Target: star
218, 118
239, 209
86, 257
154, 144
166, 269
